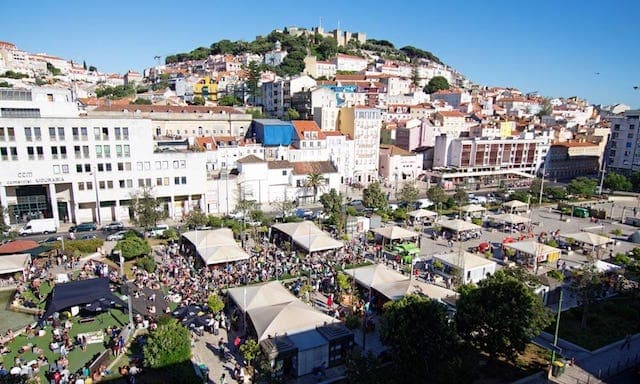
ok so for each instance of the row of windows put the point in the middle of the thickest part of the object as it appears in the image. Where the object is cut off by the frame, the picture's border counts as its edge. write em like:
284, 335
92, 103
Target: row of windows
60, 152
146, 165
162, 181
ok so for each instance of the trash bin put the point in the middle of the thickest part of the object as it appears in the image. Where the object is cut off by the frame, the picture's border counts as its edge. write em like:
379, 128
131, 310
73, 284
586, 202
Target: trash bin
557, 369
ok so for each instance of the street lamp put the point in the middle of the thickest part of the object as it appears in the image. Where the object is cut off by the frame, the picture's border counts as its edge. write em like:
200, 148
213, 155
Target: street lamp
95, 187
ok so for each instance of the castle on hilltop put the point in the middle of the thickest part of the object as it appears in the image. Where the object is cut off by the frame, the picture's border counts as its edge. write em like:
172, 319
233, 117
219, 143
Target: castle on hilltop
342, 37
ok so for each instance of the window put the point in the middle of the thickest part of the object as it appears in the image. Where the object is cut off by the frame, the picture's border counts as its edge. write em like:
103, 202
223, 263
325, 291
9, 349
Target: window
79, 168
76, 150
4, 154
140, 183
127, 166
89, 185
105, 133
118, 150
165, 165
183, 164
139, 165
129, 183
116, 132
11, 134
184, 179
107, 166
81, 186
147, 182
75, 133
85, 151
37, 133
159, 181
96, 133
120, 166
176, 164
56, 169
2, 137
60, 133
54, 152
632, 127
107, 151
158, 165
100, 167
176, 180
121, 183
31, 153
27, 134
84, 135
98, 151
52, 133
165, 181
125, 133
127, 152
63, 152
13, 151
87, 168
65, 168
110, 184
147, 165
284, 172
101, 184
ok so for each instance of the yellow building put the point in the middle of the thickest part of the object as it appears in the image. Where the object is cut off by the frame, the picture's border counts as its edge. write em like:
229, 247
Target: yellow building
506, 128
206, 88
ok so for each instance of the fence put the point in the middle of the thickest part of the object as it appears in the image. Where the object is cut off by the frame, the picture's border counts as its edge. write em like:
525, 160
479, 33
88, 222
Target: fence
619, 366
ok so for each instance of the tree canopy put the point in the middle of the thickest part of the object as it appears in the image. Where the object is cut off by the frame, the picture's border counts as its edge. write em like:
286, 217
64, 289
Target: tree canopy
132, 247
429, 353
408, 193
582, 186
436, 194
316, 182
196, 218
437, 83
374, 197
168, 345
147, 209
617, 182
500, 316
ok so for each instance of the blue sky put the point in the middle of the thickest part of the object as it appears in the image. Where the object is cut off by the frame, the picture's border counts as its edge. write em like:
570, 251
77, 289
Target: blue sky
553, 47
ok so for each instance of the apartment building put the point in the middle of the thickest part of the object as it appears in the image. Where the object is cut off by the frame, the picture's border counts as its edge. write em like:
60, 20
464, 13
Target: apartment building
77, 168
363, 125
623, 154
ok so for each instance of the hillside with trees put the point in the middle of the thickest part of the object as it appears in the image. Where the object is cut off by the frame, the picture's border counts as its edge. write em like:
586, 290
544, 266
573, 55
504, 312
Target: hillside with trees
297, 48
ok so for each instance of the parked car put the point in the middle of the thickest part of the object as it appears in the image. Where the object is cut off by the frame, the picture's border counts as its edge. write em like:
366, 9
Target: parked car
114, 226
116, 236
50, 239
83, 227
157, 231
88, 237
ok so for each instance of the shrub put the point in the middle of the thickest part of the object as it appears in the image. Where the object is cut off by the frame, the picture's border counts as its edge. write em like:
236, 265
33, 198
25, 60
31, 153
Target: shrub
147, 263
215, 303
616, 232
553, 243
82, 246
170, 234
437, 264
477, 221
621, 259
133, 247
555, 274
352, 321
343, 281
168, 345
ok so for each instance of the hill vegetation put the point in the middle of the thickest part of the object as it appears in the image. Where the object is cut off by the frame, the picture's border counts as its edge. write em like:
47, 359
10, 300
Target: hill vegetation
298, 47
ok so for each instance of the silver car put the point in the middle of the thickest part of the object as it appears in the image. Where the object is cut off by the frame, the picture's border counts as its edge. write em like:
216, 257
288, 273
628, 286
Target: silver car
116, 236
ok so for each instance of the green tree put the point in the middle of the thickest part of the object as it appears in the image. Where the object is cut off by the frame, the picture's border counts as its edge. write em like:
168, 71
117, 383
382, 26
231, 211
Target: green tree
84, 65
332, 202
546, 108
437, 83
500, 316
215, 303
421, 354
253, 81
229, 101
3, 223
133, 247
316, 182
374, 197
141, 101
93, 68
460, 196
617, 182
198, 100
4, 84
408, 193
582, 186
327, 48
415, 75
385, 136
168, 345
147, 263
196, 218
437, 195
523, 196
146, 208
255, 113
587, 286
284, 207
250, 350
366, 368
54, 71
291, 114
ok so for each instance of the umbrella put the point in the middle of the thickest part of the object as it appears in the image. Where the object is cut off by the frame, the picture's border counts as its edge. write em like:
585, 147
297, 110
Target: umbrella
483, 247
189, 310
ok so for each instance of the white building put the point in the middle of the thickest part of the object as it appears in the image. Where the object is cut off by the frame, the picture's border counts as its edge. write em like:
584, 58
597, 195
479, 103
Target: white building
350, 63
363, 125
276, 56
624, 152
276, 95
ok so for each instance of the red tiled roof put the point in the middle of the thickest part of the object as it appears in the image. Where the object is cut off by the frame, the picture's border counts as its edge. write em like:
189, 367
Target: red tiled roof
250, 159
279, 164
302, 126
203, 141
394, 150
17, 246
451, 113
308, 167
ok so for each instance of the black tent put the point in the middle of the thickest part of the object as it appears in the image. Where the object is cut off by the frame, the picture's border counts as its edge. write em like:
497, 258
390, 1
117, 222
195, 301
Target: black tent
80, 292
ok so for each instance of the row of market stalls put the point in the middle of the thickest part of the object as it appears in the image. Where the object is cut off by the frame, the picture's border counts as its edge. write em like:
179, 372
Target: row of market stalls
296, 337
214, 246
307, 236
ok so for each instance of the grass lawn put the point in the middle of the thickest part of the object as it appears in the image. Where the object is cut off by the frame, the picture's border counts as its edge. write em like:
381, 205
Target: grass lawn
45, 288
608, 321
532, 360
77, 358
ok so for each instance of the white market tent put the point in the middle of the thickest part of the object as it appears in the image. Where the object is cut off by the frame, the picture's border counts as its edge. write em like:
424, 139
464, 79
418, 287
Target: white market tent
588, 238
458, 225
395, 233
255, 296
474, 268
470, 208
216, 246
395, 285
308, 236
515, 206
510, 218
290, 318
540, 252
14, 263
422, 213
604, 267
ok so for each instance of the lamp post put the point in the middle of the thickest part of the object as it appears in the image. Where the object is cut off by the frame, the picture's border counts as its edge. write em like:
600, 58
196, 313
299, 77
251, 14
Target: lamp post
95, 187
396, 176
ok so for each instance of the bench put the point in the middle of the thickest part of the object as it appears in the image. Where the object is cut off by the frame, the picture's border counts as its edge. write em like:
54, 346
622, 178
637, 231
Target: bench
86, 320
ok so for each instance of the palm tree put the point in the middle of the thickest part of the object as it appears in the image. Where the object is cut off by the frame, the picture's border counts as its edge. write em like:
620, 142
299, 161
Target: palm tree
315, 181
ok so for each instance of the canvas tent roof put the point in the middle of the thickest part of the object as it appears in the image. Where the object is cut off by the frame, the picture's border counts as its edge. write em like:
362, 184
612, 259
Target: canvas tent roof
320, 242
396, 290
255, 296
604, 267
532, 247
375, 274
80, 292
303, 228
287, 318
473, 208
395, 233
458, 225
13, 263
588, 238
515, 205
420, 213
216, 246
510, 218
464, 259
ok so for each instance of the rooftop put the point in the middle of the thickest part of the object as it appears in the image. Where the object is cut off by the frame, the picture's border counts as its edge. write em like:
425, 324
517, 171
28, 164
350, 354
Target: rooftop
309, 167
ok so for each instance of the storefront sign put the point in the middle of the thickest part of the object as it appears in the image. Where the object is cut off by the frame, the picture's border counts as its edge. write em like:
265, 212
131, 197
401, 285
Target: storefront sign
26, 178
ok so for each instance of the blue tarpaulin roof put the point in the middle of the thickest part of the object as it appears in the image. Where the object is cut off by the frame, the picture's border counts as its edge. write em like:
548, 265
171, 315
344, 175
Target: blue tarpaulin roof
272, 132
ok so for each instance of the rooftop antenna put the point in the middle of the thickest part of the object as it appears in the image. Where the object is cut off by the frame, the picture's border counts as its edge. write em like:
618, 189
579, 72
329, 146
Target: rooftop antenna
157, 58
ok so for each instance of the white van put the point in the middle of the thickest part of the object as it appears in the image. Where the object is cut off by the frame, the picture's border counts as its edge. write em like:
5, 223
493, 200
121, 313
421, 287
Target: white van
158, 230
37, 226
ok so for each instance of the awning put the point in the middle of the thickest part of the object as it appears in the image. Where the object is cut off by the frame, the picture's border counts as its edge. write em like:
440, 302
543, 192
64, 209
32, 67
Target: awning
395, 233
289, 318
509, 218
319, 242
588, 238
458, 225
421, 213
473, 208
255, 296
515, 205
216, 246
14, 263
531, 247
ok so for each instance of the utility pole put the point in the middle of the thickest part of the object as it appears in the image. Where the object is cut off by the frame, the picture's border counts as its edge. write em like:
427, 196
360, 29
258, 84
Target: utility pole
555, 335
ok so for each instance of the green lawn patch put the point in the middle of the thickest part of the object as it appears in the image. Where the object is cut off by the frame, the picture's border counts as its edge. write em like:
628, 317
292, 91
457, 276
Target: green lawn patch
607, 322
77, 358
